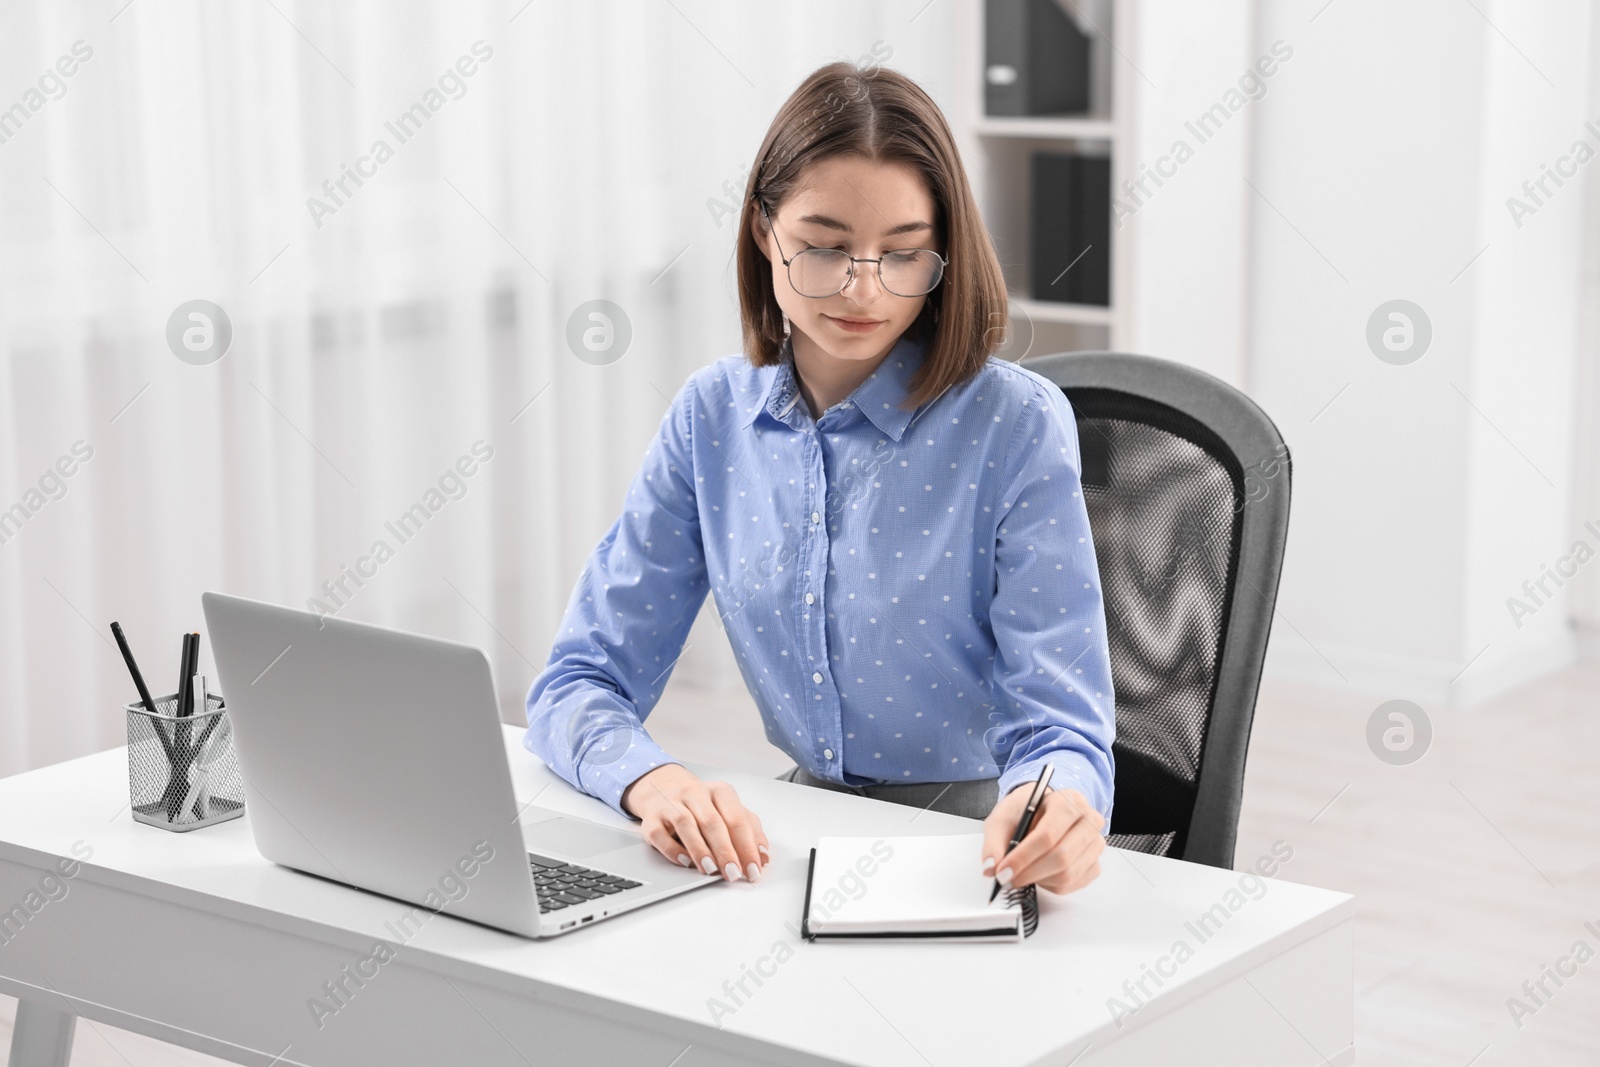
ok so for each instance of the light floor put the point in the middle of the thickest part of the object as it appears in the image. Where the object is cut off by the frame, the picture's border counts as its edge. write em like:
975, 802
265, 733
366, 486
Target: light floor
1473, 868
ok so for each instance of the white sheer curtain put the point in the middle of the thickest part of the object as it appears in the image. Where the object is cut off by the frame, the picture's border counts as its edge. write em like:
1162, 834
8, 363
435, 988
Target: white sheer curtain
375, 345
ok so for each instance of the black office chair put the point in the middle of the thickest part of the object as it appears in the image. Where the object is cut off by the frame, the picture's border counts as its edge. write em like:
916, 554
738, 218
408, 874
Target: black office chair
1187, 486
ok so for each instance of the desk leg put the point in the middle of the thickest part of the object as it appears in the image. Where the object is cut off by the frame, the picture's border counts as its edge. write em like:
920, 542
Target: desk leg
42, 1036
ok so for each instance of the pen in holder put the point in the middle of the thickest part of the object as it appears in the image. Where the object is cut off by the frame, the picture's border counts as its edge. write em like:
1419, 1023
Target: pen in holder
183, 772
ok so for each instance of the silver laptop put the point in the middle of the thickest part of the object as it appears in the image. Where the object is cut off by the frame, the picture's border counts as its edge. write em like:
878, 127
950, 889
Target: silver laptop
376, 758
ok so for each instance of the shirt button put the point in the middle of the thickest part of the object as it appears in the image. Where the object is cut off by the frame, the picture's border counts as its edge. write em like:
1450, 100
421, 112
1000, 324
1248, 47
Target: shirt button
827, 753
816, 517
810, 599
816, 676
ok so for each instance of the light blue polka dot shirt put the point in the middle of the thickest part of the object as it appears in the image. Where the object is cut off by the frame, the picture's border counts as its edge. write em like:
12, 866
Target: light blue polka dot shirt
911, 596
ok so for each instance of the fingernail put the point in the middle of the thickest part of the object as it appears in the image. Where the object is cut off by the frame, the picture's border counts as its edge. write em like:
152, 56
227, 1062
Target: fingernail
731, 872
708, 865
1004, 876
684, 860
988, 864
765, 855
753, 872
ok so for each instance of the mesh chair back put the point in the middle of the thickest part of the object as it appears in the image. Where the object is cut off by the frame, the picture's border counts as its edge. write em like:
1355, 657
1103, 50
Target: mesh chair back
1187, 486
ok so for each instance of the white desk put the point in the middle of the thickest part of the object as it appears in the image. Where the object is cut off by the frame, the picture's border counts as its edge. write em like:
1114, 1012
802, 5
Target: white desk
196, 940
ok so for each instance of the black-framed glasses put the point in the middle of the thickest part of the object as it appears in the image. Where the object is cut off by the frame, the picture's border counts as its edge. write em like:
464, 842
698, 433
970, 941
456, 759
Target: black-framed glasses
824, 272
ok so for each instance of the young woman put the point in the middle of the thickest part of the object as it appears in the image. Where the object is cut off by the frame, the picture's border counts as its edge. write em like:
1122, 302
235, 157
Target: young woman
889, 517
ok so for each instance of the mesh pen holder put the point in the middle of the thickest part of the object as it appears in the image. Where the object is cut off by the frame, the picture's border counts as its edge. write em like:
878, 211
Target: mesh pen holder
183, 773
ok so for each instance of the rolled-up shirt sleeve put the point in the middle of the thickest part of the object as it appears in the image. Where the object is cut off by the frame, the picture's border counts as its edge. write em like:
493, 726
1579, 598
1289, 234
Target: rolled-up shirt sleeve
625, 625
1052, 666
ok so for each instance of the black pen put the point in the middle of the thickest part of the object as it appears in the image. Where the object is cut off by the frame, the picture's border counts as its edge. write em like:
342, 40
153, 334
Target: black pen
133, 669
1026, 822
197, 697
182, 755
144, 690
185, 676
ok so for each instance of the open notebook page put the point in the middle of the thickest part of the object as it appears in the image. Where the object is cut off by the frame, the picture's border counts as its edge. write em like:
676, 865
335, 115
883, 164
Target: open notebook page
867, 885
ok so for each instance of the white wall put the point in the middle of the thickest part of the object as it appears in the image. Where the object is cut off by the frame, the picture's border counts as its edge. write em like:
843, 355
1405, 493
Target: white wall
1182, 240
1585, 587
1424, 494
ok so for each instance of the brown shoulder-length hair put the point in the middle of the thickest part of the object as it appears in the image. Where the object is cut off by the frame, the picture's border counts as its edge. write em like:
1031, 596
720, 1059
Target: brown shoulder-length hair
884, 116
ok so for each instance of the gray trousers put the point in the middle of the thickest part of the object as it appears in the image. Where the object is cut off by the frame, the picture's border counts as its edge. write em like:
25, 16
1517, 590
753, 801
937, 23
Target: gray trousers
972, 799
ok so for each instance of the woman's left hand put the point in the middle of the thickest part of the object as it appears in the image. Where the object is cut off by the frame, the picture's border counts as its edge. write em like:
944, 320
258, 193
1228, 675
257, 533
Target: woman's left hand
1061, 851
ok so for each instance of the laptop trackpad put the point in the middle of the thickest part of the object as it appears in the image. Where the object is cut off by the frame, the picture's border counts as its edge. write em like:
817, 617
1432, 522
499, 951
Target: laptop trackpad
576, 838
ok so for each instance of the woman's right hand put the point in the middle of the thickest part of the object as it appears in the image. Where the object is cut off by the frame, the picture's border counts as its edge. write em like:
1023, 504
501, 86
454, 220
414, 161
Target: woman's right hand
698, 824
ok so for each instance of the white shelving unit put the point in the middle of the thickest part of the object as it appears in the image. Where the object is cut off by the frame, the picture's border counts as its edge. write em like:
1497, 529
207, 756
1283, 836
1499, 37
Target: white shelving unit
1055, 311
1069, 129
998, 152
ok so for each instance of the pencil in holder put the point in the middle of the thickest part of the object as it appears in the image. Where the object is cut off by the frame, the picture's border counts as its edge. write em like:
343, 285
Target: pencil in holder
183, 772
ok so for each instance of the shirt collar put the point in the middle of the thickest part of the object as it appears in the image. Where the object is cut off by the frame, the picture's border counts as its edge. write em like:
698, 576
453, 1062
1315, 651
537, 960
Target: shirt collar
776, 390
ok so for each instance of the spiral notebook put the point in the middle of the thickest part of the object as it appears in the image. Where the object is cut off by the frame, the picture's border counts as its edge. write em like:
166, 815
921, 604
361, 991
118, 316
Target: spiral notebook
910, 888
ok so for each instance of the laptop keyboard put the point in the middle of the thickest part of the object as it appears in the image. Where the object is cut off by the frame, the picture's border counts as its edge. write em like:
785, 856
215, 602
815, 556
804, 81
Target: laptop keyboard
561, 885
